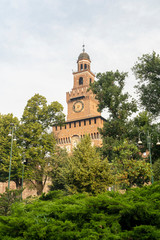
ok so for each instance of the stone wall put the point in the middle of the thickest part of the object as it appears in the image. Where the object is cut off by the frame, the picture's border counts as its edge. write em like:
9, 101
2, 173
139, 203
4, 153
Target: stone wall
27, 191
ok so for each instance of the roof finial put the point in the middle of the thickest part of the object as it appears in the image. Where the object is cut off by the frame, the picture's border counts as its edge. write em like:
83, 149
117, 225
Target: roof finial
83, 47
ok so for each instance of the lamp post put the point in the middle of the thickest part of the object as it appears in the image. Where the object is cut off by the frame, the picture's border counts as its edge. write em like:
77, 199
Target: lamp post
150, 156
149, 148
22, 174
12, 139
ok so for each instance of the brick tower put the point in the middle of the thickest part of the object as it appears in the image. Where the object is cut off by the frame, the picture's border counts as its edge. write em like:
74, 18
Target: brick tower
82, 117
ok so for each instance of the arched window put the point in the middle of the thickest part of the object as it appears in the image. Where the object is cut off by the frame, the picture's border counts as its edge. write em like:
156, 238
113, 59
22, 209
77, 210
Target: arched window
80, 81
85, 66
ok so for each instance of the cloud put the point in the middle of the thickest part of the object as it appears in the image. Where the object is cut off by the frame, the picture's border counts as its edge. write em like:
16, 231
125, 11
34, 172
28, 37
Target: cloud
41, 40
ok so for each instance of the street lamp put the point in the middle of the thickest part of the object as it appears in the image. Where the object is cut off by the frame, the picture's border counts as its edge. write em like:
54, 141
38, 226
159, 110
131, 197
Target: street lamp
22, 175
149, 148
12, 128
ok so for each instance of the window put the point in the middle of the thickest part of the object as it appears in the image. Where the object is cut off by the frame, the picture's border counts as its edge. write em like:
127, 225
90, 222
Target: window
89, 121
69, 125
56, 128
74, 124
80, 81
81, 66
84, 122
79, 123
95, 120
85, 66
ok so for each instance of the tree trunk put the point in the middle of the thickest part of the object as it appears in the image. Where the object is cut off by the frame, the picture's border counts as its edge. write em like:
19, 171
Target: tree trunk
39, 187
18, 183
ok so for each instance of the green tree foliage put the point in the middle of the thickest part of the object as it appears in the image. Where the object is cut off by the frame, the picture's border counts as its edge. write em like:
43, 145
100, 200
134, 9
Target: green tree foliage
109, 92
7, 199
156, 170
139, 127
5, 149
37, 142
134, 215
129, 169
85, 171
60, 161
147, 71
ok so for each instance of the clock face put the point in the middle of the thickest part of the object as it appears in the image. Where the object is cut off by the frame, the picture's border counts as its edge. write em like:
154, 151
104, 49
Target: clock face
78, 106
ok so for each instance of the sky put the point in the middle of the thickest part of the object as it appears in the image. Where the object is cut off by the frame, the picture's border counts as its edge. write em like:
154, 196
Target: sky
40, 41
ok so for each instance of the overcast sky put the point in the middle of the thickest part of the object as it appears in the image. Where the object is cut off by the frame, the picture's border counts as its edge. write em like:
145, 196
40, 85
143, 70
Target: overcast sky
40, 41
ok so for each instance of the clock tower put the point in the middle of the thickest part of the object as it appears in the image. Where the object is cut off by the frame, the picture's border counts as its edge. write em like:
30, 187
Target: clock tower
81, 102
82, 115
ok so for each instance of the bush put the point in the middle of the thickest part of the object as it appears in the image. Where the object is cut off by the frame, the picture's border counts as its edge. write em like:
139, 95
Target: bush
134, 215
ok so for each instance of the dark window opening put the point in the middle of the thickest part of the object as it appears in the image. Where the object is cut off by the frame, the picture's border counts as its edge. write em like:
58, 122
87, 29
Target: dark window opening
81, 66
74, 124
79, 123
95, 120
89, 121
85, 66
69, 125
84, 122
80, 81
56, 128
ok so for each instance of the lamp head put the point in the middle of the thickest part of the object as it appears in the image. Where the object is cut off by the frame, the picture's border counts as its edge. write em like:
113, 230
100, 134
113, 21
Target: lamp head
139, 142
158, 143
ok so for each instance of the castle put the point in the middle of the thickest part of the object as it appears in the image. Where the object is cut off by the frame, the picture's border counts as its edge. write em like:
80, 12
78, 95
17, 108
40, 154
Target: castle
82, 115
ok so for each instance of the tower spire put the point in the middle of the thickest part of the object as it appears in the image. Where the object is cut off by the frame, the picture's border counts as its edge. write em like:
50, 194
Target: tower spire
83, 47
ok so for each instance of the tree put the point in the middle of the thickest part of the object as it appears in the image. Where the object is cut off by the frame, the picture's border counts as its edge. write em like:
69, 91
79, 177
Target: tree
139, 127
108, 89
156, 170
37, 141
7, 199
60, 161
5, 149
85, 171
147, 71
128, 167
